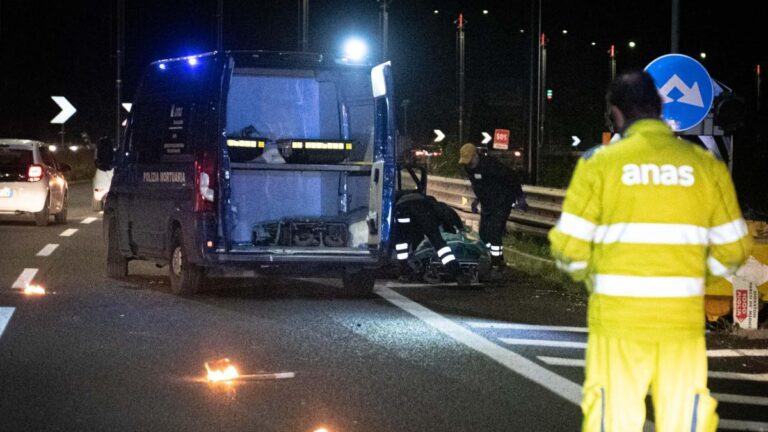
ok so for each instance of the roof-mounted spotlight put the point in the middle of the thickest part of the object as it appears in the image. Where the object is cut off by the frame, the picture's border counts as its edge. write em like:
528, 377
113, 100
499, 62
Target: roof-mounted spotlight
355, 50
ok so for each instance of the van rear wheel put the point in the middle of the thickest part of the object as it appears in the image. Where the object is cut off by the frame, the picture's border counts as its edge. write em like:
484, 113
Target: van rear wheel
185, 276
358, 283
117, 264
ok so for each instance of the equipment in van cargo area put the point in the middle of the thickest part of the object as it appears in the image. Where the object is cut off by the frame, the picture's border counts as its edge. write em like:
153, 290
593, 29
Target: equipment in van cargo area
301, 233
294, 151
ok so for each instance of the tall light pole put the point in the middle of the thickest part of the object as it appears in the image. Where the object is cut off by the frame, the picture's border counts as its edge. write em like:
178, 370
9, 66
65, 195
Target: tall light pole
460, 48
675, 26
120, 41
220, 25
541, 99
612, 56
304, 25
384, 28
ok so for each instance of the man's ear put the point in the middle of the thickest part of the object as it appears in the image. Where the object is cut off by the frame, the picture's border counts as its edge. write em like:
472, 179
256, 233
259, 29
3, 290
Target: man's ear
617, 118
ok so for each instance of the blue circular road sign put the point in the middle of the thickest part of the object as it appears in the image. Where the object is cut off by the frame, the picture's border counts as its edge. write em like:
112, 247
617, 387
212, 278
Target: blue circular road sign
685, 88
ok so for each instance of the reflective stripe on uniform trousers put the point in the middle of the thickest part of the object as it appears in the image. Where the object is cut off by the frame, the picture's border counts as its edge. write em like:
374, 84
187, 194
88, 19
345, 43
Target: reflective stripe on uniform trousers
402, 256
401, 246
403, 220
496, 251
445, 255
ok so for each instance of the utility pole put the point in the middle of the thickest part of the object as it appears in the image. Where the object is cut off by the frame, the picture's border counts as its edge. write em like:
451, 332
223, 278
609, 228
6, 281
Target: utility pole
384, 28
460, 48
220, 26
120, 41
675, 26
541, 99
304, 25
535, 30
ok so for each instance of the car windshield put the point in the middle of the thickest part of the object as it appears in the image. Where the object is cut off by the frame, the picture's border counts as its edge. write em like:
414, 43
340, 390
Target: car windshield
14, 163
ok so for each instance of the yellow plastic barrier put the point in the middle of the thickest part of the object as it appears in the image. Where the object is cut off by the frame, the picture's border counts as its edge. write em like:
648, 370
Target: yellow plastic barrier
719, 292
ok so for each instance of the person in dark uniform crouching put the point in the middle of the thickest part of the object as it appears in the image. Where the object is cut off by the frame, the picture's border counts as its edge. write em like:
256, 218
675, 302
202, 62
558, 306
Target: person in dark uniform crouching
417, 216
497, 189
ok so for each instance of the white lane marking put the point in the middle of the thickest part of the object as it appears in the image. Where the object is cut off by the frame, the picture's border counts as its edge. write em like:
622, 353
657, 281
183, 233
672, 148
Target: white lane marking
68, 232
739, 376
47, 249
24, 278
563, 387
559, 361
742, 425
739, 399
88, 220
5, 316
738, 353
545, 343
532, 327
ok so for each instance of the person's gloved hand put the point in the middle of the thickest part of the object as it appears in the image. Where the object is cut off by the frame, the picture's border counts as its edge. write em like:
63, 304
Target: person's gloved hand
474, 205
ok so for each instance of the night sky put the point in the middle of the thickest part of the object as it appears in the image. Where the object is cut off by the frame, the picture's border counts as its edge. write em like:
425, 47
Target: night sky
67, 48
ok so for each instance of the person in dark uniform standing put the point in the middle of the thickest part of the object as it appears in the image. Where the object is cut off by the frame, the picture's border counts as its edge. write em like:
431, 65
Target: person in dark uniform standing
417, 216
497, 189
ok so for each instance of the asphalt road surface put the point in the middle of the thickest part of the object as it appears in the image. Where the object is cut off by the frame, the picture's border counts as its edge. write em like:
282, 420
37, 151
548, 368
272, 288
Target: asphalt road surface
107, 355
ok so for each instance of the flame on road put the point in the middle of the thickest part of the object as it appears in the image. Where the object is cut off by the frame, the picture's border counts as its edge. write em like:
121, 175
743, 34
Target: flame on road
221, 370
34, 290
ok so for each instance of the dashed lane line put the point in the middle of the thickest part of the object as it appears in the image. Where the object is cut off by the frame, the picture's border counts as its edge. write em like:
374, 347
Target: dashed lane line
559, 361
544, 342
68, 232
88, 220
530, 327
25, 278
5, 316
47, 249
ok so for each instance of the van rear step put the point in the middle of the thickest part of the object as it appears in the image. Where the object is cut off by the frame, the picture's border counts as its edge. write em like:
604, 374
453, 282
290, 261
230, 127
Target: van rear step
311, 233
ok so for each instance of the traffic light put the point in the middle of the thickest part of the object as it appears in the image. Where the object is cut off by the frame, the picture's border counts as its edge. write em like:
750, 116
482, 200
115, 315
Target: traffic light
549, 94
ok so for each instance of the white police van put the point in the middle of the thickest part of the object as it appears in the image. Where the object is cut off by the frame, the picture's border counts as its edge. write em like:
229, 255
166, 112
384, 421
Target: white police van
281, 162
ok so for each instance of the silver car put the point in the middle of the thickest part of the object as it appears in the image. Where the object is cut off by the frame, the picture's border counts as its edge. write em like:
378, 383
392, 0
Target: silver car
32, 182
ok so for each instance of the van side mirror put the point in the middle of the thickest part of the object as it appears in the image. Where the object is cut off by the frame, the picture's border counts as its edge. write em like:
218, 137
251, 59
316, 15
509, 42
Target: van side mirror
104, 154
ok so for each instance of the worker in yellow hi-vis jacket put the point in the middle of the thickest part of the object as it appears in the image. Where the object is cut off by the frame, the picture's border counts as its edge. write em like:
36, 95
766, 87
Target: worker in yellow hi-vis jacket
643, 221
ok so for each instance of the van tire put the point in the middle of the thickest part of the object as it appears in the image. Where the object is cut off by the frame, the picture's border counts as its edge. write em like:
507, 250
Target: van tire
357, 283
185, 277
43, 216
61, 217
117, 264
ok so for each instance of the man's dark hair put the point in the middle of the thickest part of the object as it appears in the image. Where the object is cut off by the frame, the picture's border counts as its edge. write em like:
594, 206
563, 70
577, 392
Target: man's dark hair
635, 94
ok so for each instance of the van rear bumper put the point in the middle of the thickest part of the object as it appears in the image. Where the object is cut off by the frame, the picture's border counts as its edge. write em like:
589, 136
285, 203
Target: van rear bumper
364, 258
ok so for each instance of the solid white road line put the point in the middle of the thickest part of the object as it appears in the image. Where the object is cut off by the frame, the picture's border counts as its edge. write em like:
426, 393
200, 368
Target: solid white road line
5, 316
25, 278
739, 376
738, 353
68, 232
546, 343
88, 220
511, 360
48, 249
559, 361
742, 425
532, 327
739, 399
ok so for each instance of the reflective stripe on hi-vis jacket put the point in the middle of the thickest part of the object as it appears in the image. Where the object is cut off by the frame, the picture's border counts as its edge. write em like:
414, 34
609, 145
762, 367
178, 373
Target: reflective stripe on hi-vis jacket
648, 217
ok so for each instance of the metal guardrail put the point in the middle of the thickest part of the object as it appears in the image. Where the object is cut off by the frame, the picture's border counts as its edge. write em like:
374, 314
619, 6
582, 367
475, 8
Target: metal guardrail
544, 204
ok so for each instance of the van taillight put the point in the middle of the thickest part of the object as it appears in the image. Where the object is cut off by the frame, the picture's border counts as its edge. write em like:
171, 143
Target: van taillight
34, 173
205, 183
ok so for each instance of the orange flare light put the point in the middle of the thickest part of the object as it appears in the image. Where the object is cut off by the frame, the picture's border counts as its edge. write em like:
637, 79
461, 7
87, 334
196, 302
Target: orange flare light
221, 370
34, 290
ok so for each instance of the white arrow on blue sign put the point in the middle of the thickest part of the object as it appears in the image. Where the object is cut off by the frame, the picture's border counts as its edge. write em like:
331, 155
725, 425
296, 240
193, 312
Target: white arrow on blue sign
685, 88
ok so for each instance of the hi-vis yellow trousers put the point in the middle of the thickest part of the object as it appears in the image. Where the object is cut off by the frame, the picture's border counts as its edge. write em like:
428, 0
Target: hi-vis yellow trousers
619, 372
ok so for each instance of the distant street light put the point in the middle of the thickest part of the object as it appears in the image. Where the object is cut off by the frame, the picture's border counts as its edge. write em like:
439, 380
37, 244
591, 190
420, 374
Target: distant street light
593, 43
436, 12
565, 31
485, 11
632, 44
703, 55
